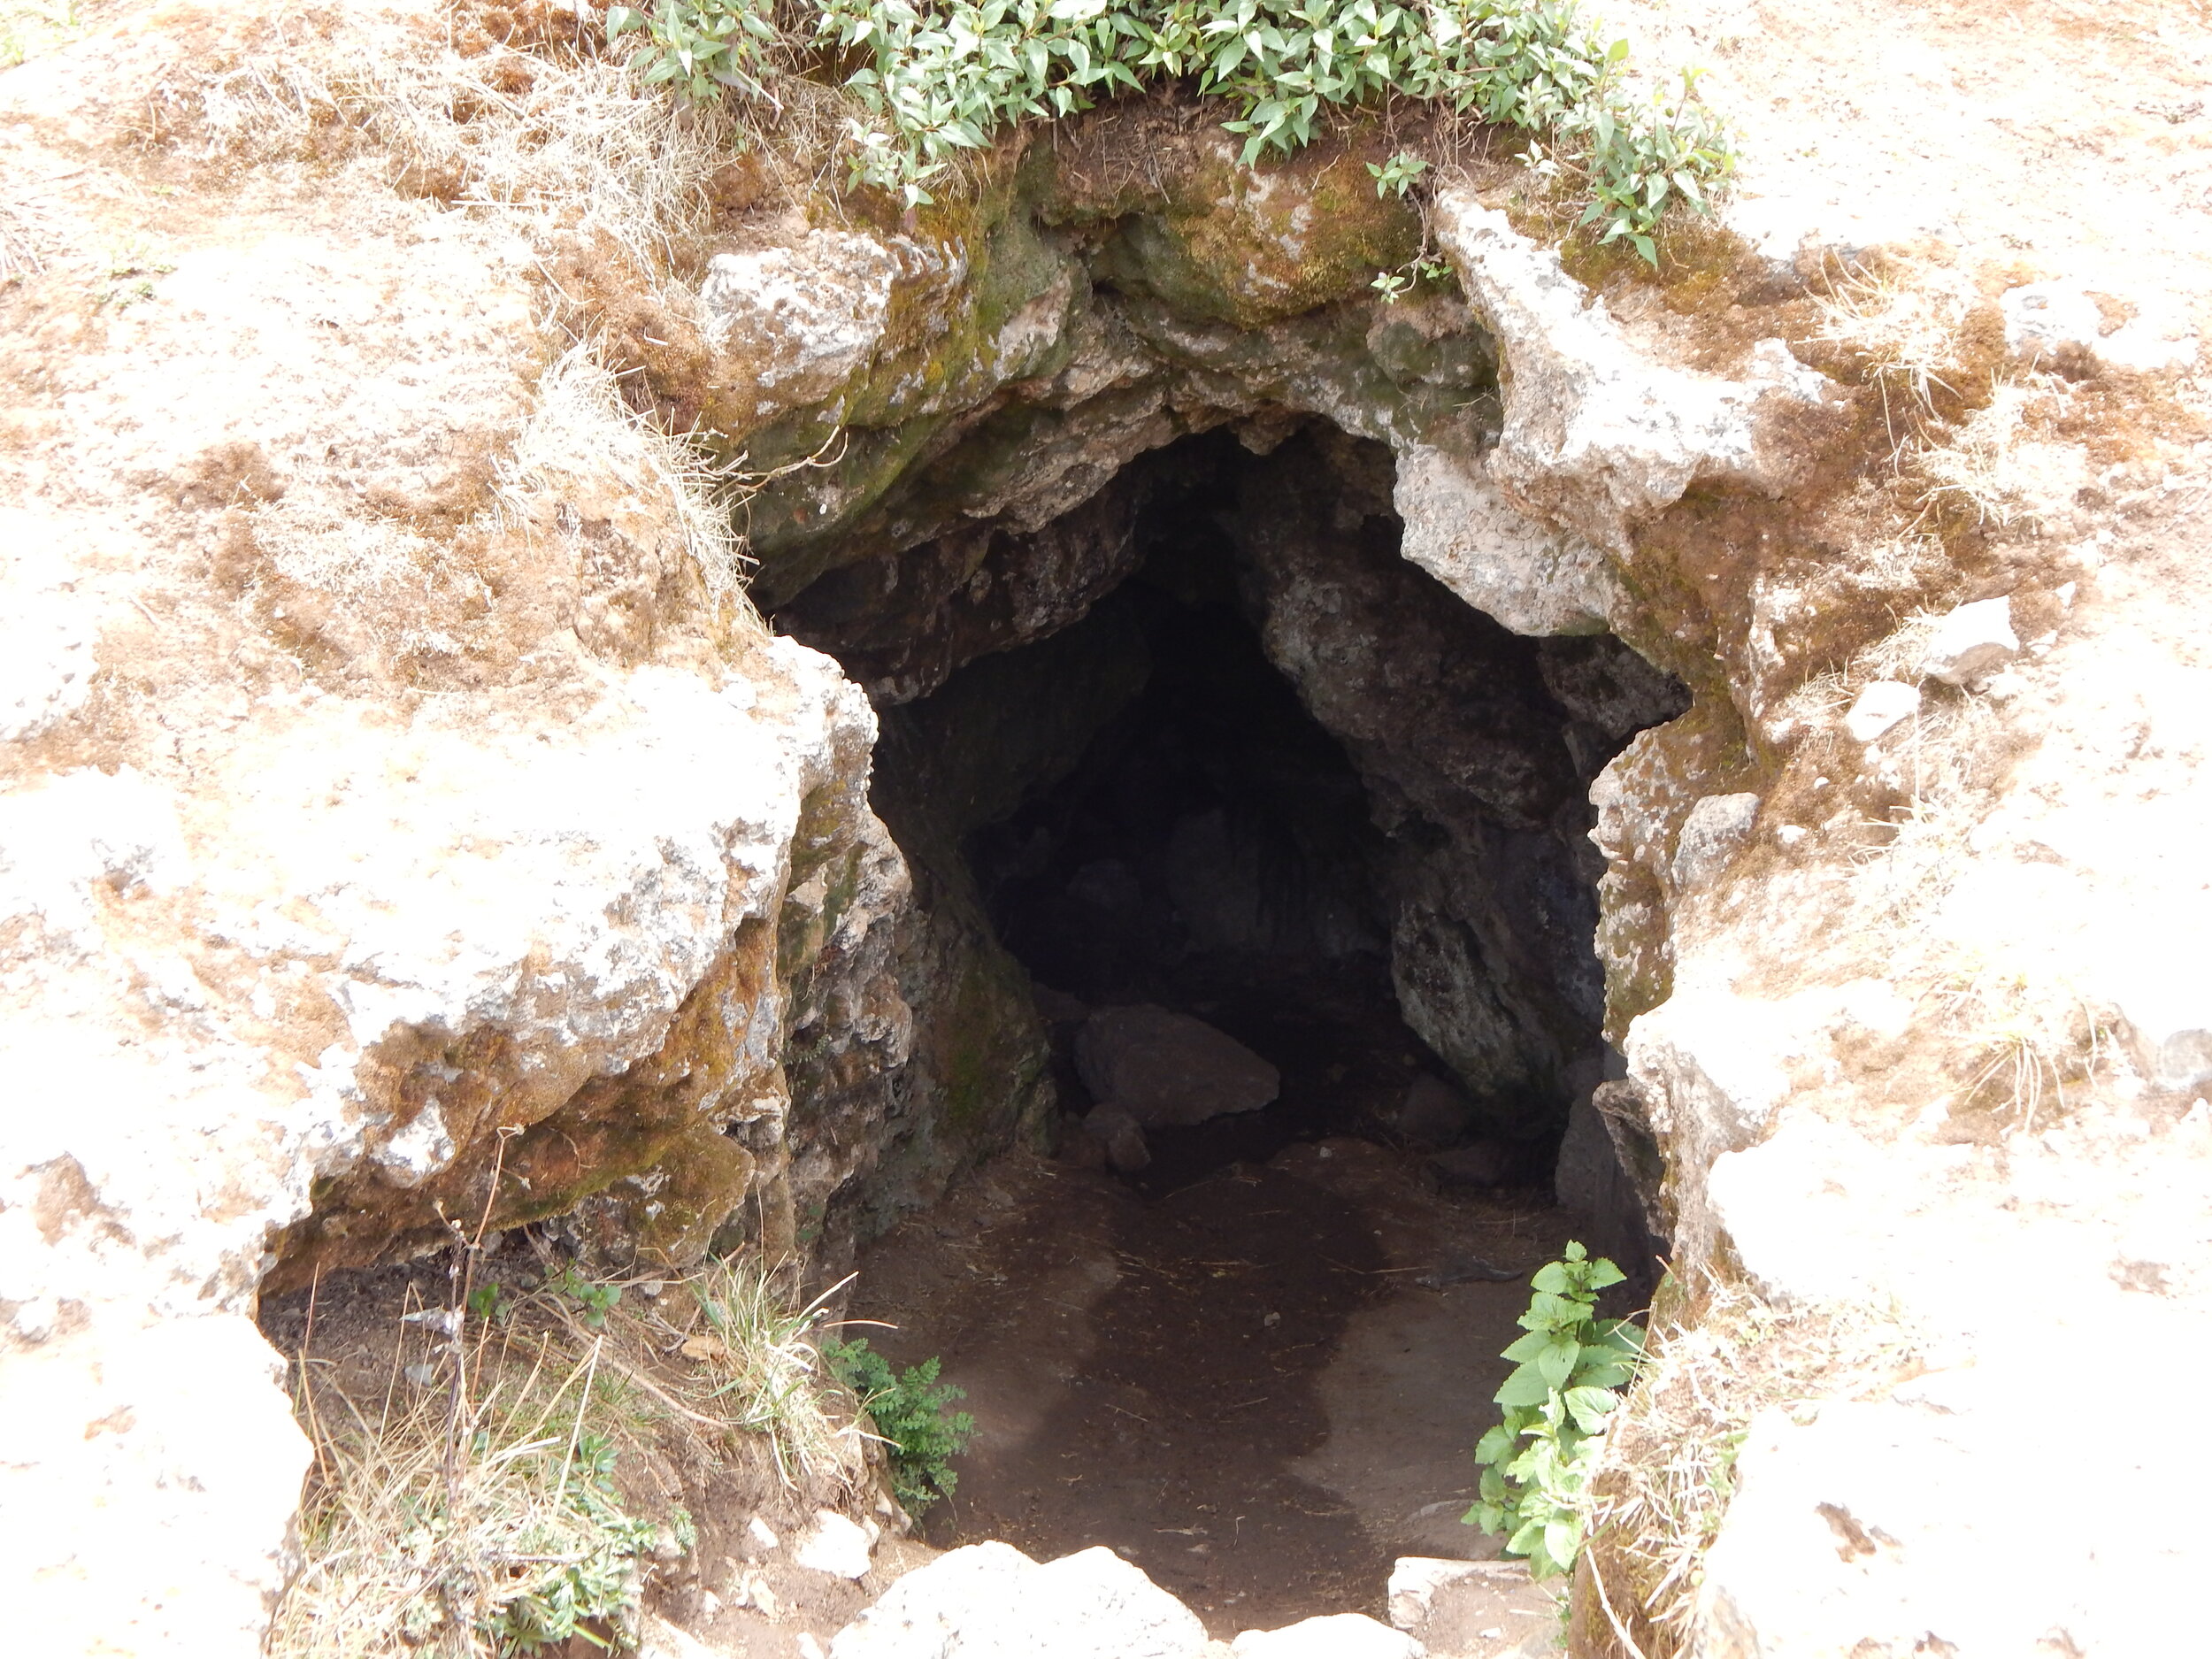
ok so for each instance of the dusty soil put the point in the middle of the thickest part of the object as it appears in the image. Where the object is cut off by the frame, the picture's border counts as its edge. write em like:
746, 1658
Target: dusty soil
1241, 1385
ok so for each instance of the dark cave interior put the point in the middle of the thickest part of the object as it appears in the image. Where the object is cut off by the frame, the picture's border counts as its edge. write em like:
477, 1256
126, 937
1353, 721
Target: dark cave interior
1276, 777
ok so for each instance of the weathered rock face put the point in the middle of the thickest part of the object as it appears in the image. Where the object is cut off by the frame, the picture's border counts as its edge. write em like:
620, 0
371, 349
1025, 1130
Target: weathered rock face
1476, 747
406, 827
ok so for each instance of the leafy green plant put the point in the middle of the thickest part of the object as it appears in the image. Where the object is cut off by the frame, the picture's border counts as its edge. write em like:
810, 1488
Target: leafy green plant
1396, 176
1538, 1460
942, 76
594, 1302
701, 46
489, 1304
586, 1556
909, 1410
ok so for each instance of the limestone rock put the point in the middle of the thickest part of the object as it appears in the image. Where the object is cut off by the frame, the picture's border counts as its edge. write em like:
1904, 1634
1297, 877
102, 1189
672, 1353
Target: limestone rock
1485, 1163
1879, 706
1913, 1524
1598, 436
1970, 644
991, 1602
1461, 531
1161, 1067
1610, 1172
456, 794
1432, 1112
1121, 1134
1715, 830
1329, 1636
798, 321
2168, 1020
836, 1545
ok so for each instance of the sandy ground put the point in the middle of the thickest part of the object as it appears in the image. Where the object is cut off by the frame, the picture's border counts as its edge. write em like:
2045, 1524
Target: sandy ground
2075, 135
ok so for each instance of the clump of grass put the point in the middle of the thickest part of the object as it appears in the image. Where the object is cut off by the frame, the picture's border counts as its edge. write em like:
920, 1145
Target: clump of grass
484, 1492
2034, 1032
759, 1365
470, 1511
556, 141
1996, 468
582, 438
1904, 329
1667, 1472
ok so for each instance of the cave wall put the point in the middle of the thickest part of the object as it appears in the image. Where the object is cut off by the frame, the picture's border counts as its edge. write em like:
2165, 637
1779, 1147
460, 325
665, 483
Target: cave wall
1477, 747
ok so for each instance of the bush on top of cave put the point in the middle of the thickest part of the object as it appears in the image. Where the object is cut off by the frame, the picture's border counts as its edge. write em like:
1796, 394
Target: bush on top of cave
942, 76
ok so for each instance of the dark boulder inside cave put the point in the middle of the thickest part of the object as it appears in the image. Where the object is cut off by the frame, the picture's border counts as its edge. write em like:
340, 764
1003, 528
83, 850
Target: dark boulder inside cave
1208, 742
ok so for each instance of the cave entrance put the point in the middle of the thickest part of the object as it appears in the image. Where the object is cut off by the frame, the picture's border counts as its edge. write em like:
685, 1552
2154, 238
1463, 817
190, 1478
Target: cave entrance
1250, 783
1213, 853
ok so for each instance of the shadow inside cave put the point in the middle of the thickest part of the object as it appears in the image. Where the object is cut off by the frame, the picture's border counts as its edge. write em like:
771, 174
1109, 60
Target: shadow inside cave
1273, 777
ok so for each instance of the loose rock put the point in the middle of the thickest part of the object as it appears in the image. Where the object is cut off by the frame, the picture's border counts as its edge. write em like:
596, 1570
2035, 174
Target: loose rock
1161, 1067
836, 1546
1972, 642
1880, 706
991, 1602
1121, 1134
1485, 1163
1331, 1636
1433, 1113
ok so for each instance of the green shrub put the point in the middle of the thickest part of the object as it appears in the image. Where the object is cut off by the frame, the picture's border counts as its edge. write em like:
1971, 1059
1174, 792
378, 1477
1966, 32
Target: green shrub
942, 76
1572, 1366
909, 1410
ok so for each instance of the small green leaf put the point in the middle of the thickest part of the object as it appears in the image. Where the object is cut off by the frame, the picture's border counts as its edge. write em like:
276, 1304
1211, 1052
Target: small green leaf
1592, 1406
1556, 1362
1526, 1387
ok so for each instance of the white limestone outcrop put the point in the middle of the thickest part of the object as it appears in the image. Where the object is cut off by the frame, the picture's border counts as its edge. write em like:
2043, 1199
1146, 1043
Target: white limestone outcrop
991, 1602
1599, 436
387, 759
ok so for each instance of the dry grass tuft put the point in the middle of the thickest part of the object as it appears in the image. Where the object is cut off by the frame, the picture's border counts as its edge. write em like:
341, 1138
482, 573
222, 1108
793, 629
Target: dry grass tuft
1667, 1472
1904, 329
2033, 1034
1975, 436
484, 1488
583, 439
565, 143
2000, 466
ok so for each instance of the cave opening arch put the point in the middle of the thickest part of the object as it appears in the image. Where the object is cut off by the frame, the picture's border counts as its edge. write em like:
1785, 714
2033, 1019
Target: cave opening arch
1208, 741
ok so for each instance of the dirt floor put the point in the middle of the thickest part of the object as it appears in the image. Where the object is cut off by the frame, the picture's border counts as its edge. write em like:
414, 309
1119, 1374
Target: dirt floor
1260, 1387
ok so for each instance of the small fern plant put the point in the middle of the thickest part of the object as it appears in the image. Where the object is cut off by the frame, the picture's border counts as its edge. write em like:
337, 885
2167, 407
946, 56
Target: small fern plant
1538, 1460
908, 1409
